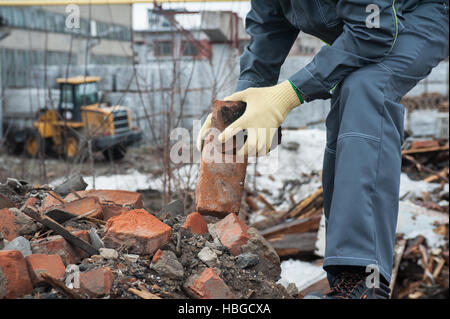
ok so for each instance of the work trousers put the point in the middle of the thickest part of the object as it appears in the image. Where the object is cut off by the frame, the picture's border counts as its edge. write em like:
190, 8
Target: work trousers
362, 163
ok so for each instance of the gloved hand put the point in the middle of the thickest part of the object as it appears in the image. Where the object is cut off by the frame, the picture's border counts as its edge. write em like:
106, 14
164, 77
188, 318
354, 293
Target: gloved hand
267, 107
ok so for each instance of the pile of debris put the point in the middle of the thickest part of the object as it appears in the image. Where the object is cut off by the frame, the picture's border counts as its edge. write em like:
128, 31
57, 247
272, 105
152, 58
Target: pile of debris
420, 271
66, 242
292, 232
427, 160
426, 101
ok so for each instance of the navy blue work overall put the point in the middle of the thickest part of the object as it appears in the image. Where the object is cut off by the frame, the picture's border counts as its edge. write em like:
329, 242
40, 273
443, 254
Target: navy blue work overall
366, 69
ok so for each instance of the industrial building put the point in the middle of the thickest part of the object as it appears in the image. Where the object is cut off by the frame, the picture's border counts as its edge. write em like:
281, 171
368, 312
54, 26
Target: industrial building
41, 36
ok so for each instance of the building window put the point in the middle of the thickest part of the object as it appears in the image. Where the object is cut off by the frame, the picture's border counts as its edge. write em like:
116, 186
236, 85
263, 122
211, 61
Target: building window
163, 48
189, 49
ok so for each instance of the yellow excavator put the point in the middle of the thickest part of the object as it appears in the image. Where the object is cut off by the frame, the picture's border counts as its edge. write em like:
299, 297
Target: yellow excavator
80, 122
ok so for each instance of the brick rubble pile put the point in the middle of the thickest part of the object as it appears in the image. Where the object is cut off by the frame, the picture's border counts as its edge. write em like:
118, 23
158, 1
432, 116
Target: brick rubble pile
141, 254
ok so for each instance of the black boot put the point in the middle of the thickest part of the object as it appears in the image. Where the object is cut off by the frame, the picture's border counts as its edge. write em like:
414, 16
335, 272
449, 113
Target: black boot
352, 285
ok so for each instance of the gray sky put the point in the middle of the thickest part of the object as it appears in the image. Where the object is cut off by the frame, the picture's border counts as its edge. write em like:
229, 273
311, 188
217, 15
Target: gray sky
140, 10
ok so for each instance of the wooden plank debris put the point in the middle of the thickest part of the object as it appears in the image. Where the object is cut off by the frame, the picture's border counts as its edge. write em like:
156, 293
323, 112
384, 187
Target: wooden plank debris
294, 244
144, 294
308, 224
60, 230
60, 286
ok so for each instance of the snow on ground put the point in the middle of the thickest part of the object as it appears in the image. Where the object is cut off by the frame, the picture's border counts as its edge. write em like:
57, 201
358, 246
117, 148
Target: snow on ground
301, 273
414, 220
410, 189
131, 181
289, 166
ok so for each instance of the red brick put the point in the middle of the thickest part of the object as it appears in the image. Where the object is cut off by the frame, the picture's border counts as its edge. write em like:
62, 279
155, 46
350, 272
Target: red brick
14, 279
33, 202
48, 203
208, 285
57, 245
220, 185
108, 197
8, 225
79, 194
138, 230
232, 233
82, 206
39, 263
97, 283
424, 144
196, 224
113, 202
110, 211
5, 202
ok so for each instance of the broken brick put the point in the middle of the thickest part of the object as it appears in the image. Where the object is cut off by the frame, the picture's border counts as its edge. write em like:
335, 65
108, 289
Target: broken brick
220, 185
14, 278
83, 206
108, 197
138, 230
113, 202
39, 263
110, 211
5, 202
196, 224
57, 245
48, 203
14, 223
208, 285
8, 225
232, 233
97, 283
424, 144
32, 201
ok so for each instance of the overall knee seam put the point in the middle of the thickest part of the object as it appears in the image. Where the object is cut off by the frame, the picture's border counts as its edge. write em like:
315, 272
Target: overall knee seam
361, 135
329, 150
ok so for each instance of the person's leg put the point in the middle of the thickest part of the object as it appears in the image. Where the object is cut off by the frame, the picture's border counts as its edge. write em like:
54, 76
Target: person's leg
362, 216
332, 125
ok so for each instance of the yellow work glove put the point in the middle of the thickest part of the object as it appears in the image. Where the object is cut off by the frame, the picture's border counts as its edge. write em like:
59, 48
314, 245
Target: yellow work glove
267, 107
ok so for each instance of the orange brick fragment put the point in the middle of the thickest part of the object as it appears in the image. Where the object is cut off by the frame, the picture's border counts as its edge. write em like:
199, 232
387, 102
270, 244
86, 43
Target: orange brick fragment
208, 285
39, 263
232, 233
138, 230
196, 224
14, 279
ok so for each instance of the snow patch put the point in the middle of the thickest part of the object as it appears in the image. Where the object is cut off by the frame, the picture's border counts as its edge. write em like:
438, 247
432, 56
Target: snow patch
302, 274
